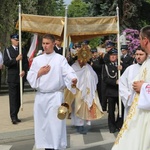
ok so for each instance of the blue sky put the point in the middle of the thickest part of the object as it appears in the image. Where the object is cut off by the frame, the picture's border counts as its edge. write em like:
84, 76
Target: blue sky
67, 1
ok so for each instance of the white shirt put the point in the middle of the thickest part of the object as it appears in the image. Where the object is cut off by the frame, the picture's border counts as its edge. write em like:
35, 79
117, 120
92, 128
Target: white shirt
1, 60
125, 82
125, 86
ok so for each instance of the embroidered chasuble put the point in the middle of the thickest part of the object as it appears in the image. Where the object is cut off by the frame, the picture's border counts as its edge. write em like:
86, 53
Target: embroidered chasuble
87, 105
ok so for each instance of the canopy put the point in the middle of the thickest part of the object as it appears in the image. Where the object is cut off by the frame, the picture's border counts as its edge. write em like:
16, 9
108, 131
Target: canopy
42, 24
78, 28
81, 28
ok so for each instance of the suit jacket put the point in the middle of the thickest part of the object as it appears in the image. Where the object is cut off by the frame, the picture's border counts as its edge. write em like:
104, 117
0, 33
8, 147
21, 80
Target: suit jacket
110, 76
106, 58
97, 65
59, 51
126, 61
10, 62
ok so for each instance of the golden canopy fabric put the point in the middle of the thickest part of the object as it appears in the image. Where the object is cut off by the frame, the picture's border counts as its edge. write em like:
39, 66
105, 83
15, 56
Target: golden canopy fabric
42, 24
79, 28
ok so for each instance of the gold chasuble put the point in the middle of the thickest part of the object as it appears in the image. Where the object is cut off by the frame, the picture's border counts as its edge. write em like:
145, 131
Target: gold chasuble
81, 107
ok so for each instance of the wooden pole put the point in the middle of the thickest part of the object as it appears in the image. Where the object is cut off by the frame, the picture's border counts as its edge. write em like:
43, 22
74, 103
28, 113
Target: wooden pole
20, 62
118, 47
65, 32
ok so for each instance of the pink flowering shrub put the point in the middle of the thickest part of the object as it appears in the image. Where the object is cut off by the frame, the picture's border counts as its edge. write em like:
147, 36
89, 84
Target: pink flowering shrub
132, 37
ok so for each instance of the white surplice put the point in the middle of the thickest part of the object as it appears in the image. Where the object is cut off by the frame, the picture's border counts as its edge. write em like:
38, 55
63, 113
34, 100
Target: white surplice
50, 132
86, 95
125, 86
134, 134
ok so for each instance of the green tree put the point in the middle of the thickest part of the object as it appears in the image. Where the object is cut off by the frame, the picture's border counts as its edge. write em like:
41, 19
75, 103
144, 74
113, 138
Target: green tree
9, 16
51, 7
78, 8
60, 8
133, 13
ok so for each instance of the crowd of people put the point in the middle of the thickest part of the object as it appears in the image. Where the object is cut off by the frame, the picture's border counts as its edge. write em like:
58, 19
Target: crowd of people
87, 79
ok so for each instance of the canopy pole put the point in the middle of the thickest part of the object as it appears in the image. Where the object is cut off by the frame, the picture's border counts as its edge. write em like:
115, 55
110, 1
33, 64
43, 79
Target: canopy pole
20, 62
65, 32
118, 47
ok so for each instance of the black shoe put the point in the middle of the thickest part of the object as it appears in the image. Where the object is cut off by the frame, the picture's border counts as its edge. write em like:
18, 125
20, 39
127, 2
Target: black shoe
112, 130
14, 121
18, 120
104, 109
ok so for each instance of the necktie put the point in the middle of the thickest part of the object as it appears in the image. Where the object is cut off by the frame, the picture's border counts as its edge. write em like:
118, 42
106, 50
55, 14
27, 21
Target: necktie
16, 48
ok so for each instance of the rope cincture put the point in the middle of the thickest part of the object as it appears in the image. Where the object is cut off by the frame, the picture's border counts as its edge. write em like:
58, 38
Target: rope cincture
109, 74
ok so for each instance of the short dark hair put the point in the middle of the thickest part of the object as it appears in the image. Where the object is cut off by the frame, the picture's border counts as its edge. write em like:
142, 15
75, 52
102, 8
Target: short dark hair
145, 32
49, 36
140, 48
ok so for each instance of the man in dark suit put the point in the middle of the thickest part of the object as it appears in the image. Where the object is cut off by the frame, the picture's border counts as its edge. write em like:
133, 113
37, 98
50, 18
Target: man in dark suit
110, 76
11, 61
126, 59
58, 48
96, 63
109, 45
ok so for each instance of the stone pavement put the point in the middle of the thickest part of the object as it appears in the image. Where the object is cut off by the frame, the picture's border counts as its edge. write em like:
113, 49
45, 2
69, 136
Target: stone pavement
11, 132
26, 116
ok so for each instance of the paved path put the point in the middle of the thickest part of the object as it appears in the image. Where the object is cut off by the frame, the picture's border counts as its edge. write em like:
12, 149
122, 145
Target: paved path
96, 137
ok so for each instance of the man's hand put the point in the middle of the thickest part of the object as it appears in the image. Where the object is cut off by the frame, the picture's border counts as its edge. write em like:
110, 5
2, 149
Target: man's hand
19, 57
43, 70
119, 67
22, 73
117, 81
137, 86
74, 82
1, 66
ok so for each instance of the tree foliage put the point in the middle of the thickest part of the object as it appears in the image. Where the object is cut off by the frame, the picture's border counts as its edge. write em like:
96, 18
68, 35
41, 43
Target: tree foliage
78, 8
133, 13
51, 7
9, 15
